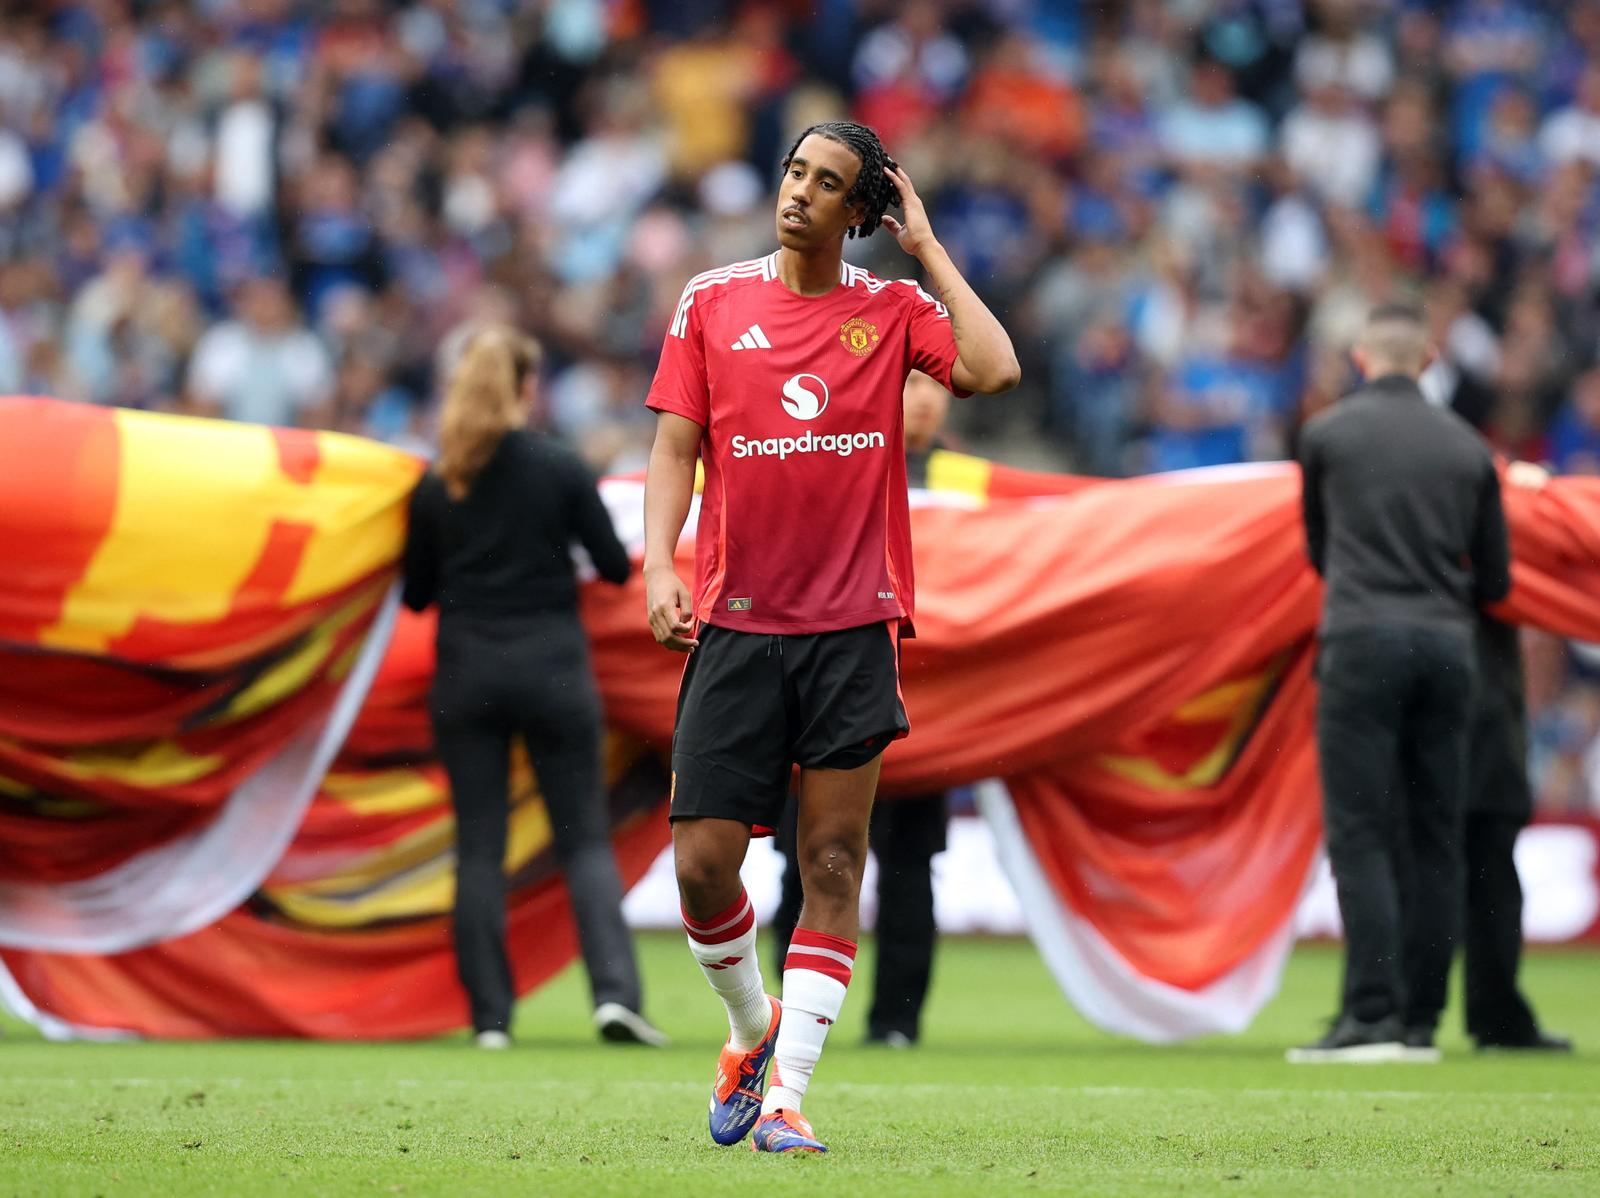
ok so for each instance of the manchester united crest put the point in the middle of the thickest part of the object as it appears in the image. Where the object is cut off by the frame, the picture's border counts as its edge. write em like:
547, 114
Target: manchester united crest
859, 336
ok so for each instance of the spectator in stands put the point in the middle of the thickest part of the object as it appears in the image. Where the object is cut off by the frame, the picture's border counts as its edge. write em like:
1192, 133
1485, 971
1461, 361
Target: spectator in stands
1214, 127
1016, 97
1510, 144
1330, 142
264, 366
1342, 53
1575, 436
1573, 133
914, 46
1488, 45
412, 165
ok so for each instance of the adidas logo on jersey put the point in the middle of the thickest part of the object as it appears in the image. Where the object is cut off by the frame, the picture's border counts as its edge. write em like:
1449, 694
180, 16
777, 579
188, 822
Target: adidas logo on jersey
753, 338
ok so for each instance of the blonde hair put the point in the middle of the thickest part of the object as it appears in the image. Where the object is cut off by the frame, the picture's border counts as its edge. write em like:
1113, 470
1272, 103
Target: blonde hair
482, 403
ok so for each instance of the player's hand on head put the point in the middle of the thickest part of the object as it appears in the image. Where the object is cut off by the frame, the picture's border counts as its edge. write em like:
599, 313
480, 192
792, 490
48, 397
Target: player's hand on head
912, 230
668, 603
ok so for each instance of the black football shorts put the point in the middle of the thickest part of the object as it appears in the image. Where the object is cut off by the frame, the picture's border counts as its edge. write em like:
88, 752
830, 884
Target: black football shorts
752, 705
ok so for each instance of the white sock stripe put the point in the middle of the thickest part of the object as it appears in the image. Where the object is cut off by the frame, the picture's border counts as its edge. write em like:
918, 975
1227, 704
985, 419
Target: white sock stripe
847, 962
715, 952
722, 927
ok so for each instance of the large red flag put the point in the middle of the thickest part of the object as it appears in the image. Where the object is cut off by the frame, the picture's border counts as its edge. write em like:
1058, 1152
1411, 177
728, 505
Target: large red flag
1126, 666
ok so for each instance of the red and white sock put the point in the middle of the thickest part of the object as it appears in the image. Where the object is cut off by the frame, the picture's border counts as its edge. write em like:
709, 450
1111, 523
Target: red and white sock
725, 946
815, 975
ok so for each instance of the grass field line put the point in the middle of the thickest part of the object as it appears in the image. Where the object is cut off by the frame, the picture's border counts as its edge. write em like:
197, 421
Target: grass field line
870, 1088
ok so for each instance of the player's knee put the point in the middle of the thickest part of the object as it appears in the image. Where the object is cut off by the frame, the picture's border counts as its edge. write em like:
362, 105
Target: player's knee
705, 882
832, 868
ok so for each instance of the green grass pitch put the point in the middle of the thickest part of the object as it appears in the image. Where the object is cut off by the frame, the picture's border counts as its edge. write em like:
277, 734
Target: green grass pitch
1010, 1093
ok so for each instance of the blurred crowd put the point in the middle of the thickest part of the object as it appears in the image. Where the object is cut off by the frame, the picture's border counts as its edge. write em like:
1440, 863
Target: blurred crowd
274, 210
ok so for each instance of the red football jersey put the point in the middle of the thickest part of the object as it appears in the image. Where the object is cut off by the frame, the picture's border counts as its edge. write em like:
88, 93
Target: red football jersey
804, 523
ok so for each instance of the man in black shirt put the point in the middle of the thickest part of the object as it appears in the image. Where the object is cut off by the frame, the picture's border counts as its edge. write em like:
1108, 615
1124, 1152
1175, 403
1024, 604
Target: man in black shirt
1499, 804
1403, 521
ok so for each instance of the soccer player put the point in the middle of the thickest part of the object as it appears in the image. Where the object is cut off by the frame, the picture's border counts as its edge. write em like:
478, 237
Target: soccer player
904, 835
783, 377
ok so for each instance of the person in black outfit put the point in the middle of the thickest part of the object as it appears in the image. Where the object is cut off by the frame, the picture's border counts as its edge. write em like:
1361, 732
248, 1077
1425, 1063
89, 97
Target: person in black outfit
491, 530
1403, 520
1499, 804
905, 832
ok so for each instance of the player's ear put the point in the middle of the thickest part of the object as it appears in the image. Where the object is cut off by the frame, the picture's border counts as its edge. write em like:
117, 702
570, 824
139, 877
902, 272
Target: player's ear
858, 214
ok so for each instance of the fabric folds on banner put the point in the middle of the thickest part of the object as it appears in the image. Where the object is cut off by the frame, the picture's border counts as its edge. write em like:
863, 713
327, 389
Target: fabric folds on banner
184, 602
194, 880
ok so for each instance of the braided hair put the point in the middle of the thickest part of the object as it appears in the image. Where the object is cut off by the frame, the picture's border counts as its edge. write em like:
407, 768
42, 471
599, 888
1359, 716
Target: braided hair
873, 189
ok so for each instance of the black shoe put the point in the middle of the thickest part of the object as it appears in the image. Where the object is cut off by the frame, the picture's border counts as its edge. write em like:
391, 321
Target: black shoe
1352, 1041
1537, 1042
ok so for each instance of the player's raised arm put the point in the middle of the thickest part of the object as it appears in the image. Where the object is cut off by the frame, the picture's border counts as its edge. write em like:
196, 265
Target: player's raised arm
986, 362
668, 491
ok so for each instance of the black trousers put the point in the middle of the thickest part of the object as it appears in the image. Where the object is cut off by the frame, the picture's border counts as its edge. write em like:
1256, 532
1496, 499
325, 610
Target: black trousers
905, 833
1392, 722
529, 678
1499, 805
1496, 1009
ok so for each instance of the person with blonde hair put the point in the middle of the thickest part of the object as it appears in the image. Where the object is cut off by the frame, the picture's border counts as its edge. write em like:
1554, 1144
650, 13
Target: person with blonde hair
492, 525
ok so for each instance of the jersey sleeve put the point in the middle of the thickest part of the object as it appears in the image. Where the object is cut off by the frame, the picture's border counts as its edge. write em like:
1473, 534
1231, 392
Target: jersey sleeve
680, 384
933, 340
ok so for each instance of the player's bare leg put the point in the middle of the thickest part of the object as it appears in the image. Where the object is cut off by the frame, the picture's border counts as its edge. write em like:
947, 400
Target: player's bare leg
721, 925
835, 809
707, 854
720, 921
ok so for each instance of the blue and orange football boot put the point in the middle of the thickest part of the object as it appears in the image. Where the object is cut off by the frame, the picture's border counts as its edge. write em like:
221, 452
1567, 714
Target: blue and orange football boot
785, 1131
736, 1092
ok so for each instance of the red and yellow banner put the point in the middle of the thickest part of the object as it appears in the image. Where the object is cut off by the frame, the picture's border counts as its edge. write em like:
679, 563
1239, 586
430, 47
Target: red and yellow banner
183, 598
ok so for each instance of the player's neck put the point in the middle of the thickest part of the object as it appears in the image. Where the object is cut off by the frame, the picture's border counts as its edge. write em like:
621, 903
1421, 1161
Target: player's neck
816, 273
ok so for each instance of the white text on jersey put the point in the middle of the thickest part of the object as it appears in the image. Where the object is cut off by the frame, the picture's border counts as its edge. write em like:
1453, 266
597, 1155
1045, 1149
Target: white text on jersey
843, 444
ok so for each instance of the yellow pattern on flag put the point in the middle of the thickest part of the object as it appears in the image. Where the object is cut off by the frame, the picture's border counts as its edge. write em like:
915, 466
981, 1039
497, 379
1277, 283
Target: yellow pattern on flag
959, 472
151, 765
196, 505
1238, 702
384, 792
414, 876
292, 673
